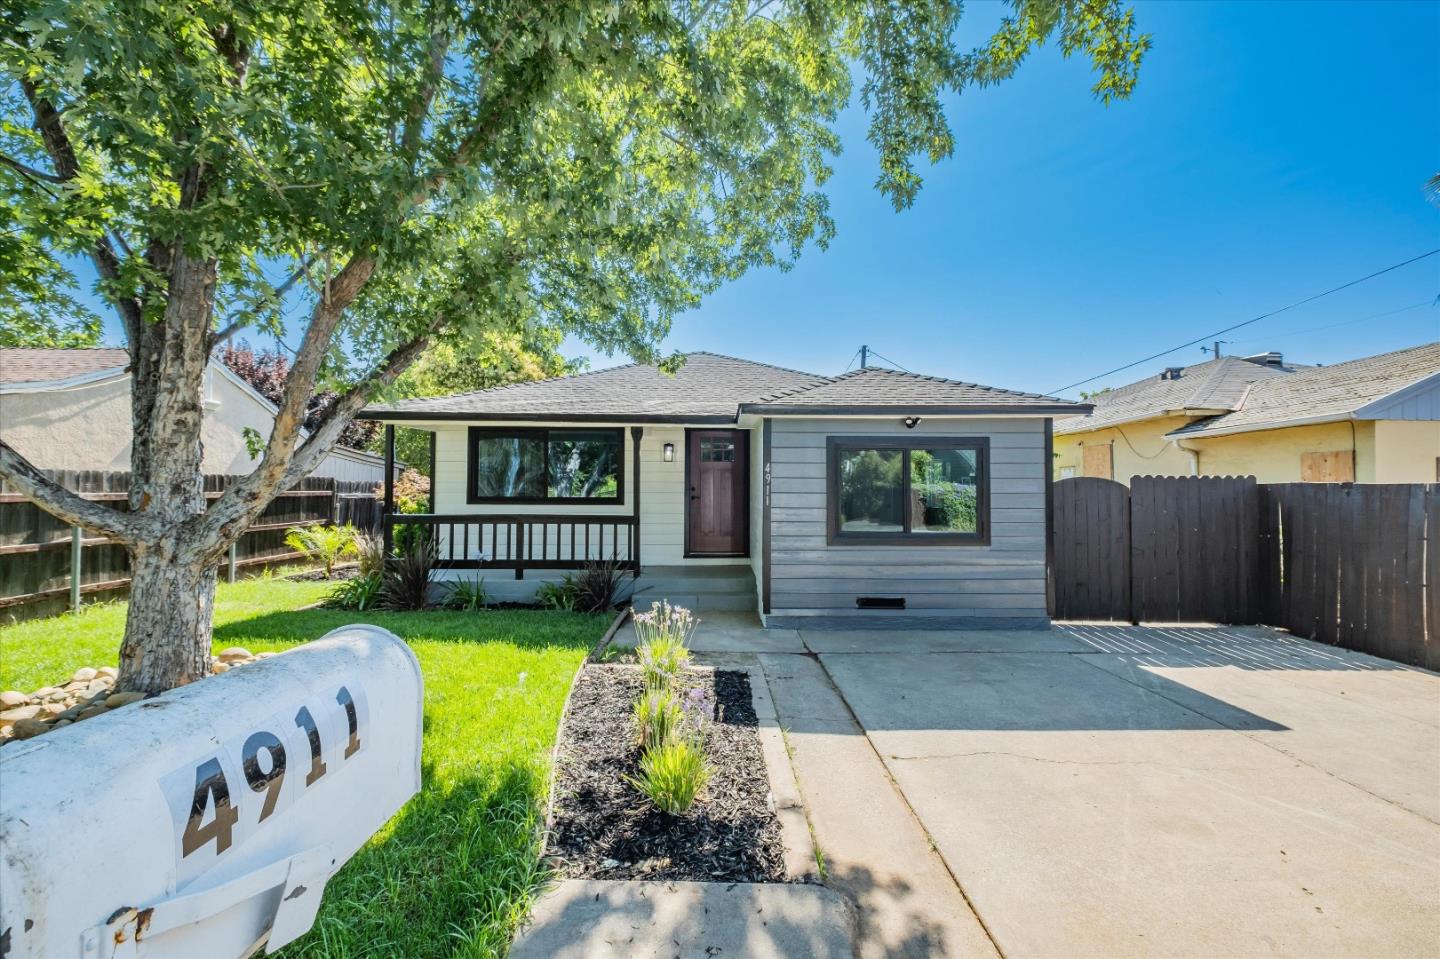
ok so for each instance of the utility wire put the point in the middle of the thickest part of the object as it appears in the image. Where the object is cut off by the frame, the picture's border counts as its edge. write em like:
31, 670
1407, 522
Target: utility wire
852, 360
1331, 326
1263, 316
887, 360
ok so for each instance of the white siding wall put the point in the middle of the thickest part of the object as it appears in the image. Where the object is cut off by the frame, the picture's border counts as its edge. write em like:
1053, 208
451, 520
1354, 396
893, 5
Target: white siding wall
991, 585
662, 490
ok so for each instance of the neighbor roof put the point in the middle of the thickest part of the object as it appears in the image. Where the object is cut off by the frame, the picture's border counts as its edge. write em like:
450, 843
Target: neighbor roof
1208, 387
1350, 390
42, 365
877, 389
711, 388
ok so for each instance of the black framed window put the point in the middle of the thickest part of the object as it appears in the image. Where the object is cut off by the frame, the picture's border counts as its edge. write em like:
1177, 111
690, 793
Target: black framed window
546, 465
910, 490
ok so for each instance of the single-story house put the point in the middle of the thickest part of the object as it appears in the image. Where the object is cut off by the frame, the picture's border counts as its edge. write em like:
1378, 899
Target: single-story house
1371, 420
69, 409
873, 497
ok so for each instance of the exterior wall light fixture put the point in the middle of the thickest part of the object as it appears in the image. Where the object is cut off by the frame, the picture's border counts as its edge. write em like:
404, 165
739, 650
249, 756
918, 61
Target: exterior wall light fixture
669, 452
911, 422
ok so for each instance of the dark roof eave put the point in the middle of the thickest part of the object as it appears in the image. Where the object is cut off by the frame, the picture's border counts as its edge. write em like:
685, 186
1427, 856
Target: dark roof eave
917, 408
399, 416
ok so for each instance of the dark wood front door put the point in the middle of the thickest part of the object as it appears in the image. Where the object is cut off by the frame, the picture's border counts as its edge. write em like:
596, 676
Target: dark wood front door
717, 511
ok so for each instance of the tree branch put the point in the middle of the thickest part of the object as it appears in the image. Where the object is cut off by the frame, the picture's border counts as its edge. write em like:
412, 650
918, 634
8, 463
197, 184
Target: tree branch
236, 321
66, 504
51, 127
243, 502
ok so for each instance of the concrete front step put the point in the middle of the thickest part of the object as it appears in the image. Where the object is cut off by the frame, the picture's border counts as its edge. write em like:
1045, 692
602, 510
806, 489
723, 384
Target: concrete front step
697, 587
696, 601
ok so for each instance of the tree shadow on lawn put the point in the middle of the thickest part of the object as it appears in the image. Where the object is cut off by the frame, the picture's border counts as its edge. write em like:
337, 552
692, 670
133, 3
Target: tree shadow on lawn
524, 628
453, 874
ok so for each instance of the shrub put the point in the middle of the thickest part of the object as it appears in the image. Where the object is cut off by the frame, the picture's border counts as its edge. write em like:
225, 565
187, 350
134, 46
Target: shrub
361, 593
671, 622
412, 492
561, 595
406, 582
672, 775
322, 544
659, 718
661, 660
467, 594
598, 587
370, 552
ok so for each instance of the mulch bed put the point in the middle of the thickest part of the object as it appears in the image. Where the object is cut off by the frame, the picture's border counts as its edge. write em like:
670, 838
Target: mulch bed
604, 829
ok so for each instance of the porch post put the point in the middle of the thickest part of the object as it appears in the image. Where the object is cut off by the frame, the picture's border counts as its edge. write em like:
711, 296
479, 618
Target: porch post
635, 433
389, 506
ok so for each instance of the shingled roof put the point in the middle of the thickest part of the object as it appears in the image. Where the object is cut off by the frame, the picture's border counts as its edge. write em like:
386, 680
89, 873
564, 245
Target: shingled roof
1205, 388
880, 390
40, 365
1349, 390
711, 388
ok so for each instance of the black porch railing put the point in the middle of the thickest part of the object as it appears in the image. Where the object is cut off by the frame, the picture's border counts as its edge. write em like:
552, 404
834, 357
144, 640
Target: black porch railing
521, 542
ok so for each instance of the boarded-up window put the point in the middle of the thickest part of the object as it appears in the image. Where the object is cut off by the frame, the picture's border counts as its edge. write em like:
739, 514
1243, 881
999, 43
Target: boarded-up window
1332, 467
1098, 462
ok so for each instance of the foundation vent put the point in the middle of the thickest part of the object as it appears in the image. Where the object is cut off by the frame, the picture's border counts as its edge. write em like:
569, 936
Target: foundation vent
879, 602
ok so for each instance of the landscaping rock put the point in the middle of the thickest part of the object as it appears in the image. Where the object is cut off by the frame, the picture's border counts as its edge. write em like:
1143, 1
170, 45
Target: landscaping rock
90, 712
219, 668
26, 728
110, 671
19, 713
84, 675
235, 653
11, 698
116, 700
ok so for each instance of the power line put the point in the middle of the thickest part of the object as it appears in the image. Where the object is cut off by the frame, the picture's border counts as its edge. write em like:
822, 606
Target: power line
1331, 326
852, 360
887, 360
1263, 316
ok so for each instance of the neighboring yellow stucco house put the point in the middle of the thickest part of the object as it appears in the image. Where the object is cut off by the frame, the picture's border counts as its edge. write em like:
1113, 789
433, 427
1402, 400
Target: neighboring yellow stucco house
1371, 420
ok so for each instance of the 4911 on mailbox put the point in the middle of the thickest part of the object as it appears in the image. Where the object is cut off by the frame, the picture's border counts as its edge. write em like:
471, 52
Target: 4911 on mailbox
220, 809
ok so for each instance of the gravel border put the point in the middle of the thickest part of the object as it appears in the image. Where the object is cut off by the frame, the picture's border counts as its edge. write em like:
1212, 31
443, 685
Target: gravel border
603, 829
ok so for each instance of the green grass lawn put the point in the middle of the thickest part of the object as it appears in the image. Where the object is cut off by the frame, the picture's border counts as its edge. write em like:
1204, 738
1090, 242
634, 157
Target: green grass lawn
454, 872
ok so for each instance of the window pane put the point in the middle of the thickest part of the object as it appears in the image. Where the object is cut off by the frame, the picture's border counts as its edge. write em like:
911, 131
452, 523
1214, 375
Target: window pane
943, 488
871, 491
509, 466
717, 451
584, 464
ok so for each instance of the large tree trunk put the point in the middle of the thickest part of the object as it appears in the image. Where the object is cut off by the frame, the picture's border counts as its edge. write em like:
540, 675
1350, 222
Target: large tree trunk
167, 630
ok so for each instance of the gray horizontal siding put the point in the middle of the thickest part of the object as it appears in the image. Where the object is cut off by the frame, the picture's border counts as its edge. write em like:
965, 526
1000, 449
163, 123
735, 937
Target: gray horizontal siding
1004, 581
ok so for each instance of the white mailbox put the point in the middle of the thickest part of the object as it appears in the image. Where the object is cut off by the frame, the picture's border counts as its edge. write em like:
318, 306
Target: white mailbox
206, 821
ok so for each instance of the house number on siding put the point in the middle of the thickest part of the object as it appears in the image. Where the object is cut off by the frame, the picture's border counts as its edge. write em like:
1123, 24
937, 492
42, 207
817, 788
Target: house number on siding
220, 801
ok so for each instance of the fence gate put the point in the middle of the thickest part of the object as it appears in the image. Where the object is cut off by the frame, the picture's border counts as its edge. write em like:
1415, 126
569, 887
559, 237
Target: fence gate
1168, 549
1091, 570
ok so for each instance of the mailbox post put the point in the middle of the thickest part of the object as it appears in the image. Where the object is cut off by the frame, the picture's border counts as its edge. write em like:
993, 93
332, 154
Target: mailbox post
206, 821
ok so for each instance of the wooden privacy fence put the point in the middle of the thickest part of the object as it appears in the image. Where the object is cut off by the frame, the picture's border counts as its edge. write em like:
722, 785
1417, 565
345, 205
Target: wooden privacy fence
46, 564
1352, 565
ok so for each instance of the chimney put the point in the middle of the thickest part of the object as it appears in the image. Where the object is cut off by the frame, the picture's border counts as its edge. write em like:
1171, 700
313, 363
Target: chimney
1172, 372
1273, 359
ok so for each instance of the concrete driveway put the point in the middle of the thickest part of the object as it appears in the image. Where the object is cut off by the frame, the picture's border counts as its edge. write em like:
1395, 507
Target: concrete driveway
1109, 791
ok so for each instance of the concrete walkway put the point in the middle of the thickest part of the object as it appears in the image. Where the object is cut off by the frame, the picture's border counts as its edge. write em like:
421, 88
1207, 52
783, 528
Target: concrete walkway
604, 919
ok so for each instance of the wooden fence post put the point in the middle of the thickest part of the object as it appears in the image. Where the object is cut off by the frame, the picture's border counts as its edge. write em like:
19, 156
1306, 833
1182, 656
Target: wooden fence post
77, 547
234, 560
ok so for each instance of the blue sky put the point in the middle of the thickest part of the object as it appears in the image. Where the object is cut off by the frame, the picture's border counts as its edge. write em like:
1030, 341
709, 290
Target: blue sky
1271, 151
